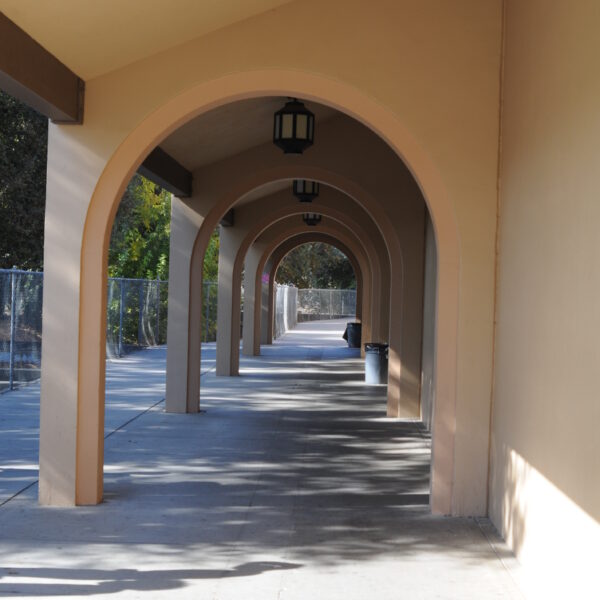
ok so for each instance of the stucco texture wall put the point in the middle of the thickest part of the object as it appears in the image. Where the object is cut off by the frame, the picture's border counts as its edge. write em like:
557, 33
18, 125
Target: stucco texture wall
545, 484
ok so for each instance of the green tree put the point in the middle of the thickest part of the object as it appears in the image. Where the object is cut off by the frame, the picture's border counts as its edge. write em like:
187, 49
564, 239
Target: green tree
211, 258
139, 245
316, 265
23, 154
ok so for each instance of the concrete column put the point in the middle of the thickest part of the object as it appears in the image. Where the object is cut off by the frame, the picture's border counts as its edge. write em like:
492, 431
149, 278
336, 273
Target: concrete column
406, 317
229, 291
264, 304
271, 305
71, 425
185, 224
252, 308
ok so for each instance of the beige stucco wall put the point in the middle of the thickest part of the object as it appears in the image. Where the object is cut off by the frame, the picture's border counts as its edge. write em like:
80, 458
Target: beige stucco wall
545, 483
433, 65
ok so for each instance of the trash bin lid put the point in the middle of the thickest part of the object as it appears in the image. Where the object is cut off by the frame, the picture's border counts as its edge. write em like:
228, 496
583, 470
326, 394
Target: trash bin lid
376, 348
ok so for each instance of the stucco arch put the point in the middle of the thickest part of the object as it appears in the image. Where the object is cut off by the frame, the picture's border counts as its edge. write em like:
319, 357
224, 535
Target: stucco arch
274, 238
369, 172
273, 211
272, 263
71, 465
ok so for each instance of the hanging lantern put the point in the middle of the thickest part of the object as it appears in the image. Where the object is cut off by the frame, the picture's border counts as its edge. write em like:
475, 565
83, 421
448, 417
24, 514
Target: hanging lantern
311, 219
293, 128
306, 191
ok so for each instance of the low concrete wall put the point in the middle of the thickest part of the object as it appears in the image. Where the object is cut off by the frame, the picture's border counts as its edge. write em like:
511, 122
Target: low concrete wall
286, 309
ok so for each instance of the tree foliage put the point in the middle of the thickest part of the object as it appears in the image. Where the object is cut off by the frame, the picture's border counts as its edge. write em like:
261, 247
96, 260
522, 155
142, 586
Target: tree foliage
23, 152
139, 245
211, 258
316, 265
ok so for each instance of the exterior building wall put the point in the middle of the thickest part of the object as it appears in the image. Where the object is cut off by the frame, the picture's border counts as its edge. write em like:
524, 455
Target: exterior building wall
545, 453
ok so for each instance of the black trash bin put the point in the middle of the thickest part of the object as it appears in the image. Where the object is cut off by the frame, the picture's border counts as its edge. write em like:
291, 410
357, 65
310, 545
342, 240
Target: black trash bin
376, 363
352, 334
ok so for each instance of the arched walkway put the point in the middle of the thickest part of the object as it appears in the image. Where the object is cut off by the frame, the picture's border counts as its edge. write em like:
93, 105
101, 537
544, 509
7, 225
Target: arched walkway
270, 266
281, 221
71, 464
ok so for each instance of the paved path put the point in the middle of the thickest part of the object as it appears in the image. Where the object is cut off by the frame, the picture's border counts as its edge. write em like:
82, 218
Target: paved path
292, 485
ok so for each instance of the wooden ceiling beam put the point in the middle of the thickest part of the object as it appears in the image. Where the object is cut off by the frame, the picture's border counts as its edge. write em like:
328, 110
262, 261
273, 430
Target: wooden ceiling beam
164, 170
33, 75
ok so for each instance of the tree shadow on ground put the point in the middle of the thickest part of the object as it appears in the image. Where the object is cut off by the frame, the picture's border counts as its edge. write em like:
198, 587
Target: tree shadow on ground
101, 581
300, 466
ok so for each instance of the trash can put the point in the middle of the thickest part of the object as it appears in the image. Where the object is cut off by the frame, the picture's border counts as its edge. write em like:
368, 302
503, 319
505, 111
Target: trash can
376, 363
352, 334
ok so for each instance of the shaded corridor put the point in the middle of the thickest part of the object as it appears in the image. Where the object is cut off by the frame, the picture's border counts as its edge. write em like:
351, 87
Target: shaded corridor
292, 484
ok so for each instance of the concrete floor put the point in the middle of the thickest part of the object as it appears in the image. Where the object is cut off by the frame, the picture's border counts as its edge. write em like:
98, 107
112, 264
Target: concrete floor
292, 484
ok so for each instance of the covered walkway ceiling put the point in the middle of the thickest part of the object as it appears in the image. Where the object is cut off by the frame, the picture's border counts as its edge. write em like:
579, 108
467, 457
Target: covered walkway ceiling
229, 130
94, 38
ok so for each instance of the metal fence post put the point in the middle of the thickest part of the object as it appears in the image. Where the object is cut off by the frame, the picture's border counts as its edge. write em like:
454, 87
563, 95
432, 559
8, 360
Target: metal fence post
330, 304
206, 298
157, 338
141, 313
11, 359
121, 303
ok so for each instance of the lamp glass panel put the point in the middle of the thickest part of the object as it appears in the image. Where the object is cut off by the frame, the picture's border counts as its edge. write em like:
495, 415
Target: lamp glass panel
287, 126
277, 126
301, 126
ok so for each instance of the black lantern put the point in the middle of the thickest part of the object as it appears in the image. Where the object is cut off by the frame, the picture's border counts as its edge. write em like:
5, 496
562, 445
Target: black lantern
306, 191
311, 219
294, 128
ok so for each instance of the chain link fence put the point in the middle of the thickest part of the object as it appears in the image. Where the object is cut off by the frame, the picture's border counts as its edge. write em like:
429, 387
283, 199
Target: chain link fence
20, 327
136, 314
136, 318
316, 305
